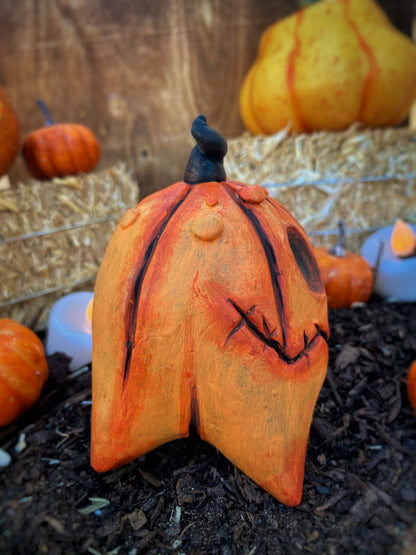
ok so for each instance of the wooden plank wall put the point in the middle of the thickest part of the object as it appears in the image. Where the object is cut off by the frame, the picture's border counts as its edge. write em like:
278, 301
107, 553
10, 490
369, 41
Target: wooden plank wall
136, 71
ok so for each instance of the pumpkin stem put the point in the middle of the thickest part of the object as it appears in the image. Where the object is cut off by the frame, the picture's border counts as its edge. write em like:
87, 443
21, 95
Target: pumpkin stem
48, 118
206, 160
339, 248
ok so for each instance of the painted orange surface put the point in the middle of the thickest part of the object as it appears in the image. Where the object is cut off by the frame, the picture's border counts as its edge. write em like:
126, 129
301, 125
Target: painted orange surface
23, 369
327, 66
347, 279
209, 312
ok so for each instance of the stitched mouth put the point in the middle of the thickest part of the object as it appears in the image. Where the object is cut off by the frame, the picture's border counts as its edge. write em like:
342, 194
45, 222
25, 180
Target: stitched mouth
266, 335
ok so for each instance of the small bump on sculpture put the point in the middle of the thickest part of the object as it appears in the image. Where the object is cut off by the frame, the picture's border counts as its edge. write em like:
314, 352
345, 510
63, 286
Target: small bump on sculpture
208, 227
255, 194
129, 218
211, 201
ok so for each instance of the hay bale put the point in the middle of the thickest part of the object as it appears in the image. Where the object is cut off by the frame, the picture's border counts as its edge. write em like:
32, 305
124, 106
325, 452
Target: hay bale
53, 236
367, 177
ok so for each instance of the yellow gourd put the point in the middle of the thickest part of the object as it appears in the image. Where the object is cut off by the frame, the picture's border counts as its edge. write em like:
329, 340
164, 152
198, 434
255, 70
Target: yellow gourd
327, 66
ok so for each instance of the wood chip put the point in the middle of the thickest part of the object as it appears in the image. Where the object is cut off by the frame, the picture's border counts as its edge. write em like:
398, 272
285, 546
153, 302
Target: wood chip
348, 355
137, 519
150, 478
5, 458
97, 503
55, 523
332, 502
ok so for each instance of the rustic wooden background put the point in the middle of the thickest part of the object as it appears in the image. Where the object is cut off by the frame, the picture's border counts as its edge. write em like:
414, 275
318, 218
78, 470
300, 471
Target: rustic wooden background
137, 71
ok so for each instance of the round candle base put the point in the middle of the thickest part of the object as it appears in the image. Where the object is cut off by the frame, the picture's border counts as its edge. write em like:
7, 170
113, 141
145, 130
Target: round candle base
395, 277
69, 329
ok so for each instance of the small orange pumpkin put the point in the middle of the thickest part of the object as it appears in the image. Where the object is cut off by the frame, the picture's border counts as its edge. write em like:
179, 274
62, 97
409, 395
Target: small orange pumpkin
209, 312
411, 385
9, 133
347, 277
23, 369
60, 149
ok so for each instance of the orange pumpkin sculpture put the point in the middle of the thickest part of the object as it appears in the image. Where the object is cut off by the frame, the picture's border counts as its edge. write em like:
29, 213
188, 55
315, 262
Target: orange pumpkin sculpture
347, 277
60, 149
411, 385
23, 369
327, 66
209, 312
9, 133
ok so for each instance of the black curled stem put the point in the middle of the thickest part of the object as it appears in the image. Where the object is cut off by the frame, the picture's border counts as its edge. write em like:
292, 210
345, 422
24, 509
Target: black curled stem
206, 160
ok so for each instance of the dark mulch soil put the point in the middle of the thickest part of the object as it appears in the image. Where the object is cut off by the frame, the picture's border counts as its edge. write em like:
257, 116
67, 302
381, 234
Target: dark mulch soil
185, 497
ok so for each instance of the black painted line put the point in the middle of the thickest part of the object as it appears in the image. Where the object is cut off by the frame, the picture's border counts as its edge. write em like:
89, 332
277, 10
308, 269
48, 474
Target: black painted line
150, 251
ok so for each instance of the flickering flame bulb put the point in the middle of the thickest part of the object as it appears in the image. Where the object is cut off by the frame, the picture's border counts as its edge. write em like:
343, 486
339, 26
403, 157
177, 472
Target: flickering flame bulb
403, 239
389, 253
88, 314
69, 329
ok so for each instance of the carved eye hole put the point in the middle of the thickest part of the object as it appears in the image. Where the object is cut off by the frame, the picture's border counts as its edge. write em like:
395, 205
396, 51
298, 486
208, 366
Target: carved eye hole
305, 260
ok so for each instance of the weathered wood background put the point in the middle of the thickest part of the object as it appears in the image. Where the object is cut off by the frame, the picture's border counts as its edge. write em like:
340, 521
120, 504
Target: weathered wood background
137, 71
